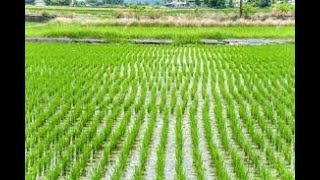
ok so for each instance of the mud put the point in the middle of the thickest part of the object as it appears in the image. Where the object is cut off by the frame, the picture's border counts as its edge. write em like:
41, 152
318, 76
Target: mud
63, 40
248, 41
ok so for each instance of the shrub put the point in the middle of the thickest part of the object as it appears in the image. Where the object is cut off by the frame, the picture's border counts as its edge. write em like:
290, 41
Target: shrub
121, 14
283, 9
29, 1
47, 14
196, 11
58, 2
260, 3
197, 2
231, 3
137, 8
247, 9
155, 14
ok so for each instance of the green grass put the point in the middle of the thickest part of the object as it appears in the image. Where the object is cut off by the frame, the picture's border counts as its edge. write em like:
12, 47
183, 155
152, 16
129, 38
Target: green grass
33, 24
177, 34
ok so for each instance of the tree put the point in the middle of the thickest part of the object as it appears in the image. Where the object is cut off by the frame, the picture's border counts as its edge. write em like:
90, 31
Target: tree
212, 3
241, 7
261, 3
58, 2
231, 3
29, 1
197, 2
221, 3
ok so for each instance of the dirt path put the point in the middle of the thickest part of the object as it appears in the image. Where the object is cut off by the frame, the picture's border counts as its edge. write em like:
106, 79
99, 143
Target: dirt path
247, 41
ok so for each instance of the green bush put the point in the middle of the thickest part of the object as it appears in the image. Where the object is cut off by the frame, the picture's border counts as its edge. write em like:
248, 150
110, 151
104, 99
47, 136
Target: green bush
260, 3
155, 14
58, 2
197, 2
47, 14
217, 3
231, 3
29, 1
137, 8
283, 8
248, 8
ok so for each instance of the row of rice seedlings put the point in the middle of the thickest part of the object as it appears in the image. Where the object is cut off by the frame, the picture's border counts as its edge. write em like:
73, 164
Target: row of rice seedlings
281, 107
36, 137
113, 139
173, 100
285, 125
256, 114
284, 172
276, 141
38, 151
97, 142
255, 109
163, 100
40, 133
180, 174
198, 163
239, 165
37, 101
126, 149
49, 122
41, 118
80, 138
278, 101
161, 150
39, 97
283, 132
144, 154
216, 157
42, 161
221, 124
275, 138
118, 132
262, 171
270, 154
69, 135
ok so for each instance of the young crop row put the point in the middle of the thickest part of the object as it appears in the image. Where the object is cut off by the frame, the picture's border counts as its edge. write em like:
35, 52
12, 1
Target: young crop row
183, 112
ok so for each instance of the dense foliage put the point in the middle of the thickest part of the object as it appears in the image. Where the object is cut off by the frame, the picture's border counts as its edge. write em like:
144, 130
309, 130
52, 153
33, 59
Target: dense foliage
260, 3
58, 2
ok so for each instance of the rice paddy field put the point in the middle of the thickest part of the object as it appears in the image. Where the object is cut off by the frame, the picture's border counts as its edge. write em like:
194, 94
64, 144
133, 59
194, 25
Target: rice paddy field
127, 111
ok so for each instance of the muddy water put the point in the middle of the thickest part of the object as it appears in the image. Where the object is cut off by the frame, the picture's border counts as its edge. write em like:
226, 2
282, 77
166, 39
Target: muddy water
170, 162
152, 161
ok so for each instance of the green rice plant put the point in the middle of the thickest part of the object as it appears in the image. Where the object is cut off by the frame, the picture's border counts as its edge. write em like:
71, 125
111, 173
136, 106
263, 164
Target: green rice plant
162, 146
216, 158
195, 141
145, 144
125, 151
180, 174
173, 100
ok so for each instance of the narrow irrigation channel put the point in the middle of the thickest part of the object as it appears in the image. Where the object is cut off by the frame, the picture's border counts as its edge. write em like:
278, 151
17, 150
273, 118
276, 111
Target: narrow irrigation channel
246, 41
